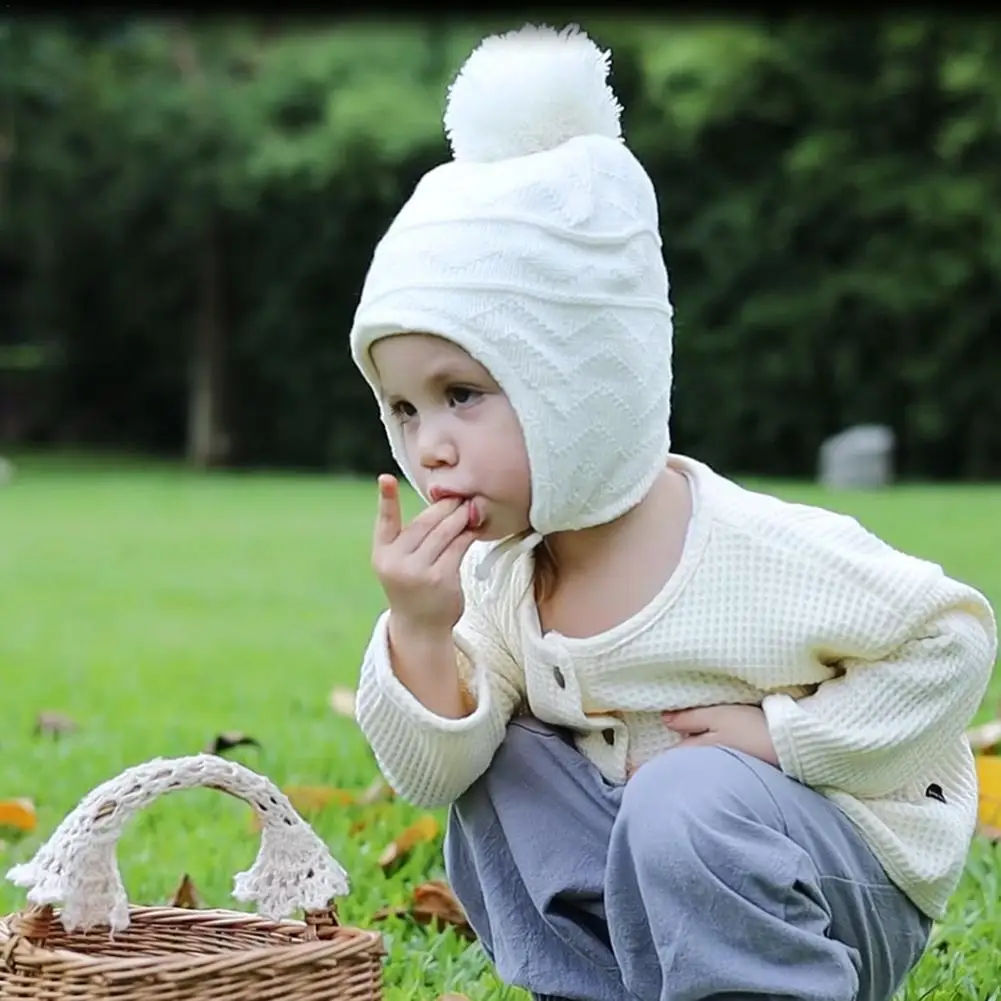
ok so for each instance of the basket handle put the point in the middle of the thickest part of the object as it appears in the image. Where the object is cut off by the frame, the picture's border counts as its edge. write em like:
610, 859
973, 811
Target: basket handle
78, 866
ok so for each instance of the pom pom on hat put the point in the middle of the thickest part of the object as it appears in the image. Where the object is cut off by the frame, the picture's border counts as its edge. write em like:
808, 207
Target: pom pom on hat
528, 91
537, 250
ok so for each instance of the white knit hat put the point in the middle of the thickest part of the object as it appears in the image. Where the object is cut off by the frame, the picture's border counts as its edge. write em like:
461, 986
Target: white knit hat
537, 250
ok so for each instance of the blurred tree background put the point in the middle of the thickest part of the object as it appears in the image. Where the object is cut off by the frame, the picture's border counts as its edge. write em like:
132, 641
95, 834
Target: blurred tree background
187, 212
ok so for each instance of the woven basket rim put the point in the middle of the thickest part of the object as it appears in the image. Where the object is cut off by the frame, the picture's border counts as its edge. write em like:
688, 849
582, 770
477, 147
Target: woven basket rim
27, 953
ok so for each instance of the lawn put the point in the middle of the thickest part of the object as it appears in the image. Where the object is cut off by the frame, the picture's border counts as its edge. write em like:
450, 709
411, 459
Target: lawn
158, 608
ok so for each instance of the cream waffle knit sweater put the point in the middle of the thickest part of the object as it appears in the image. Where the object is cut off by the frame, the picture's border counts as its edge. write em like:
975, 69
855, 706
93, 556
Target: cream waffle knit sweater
868, 663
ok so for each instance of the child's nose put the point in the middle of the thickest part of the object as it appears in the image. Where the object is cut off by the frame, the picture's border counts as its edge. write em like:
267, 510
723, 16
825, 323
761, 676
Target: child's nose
436, 448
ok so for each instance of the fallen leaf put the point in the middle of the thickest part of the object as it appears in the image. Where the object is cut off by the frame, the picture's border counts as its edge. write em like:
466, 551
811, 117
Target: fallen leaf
425, 828
342, 701
54, 724
986, 737
309, 800
434, 901
313, 799
228, 740
989, 782
18, 814
379, 790
185, 895
370, 815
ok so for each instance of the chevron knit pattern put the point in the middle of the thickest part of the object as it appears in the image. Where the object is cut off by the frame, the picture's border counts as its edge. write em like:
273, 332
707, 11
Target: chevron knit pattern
547, 268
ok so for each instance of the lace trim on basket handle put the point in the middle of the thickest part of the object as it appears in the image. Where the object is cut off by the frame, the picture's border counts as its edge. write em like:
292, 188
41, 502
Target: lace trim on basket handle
78, 866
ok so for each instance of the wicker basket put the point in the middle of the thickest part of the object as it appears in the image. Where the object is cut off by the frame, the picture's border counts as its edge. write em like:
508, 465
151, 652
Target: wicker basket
97, 946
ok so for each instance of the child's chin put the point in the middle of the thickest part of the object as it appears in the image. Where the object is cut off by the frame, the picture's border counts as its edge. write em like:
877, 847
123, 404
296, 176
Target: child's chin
490, 532
486, 534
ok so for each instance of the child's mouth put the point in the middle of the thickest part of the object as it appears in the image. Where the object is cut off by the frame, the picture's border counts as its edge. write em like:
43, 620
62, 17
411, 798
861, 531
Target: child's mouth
475, 515
475, 509
439, 494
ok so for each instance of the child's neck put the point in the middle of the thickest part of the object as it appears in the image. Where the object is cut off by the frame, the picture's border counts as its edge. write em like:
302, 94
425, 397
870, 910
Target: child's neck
606, 574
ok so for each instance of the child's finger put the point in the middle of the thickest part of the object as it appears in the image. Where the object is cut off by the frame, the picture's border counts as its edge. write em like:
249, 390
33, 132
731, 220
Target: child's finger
689, 721
412, 537
444, 533
388, 520
451, 558
705, 739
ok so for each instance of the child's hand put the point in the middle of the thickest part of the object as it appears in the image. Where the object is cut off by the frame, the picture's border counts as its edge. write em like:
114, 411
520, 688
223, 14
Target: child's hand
418, 566
740, 727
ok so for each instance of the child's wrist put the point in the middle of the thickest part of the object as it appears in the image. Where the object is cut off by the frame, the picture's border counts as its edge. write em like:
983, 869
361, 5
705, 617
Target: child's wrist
418, 635
423, 658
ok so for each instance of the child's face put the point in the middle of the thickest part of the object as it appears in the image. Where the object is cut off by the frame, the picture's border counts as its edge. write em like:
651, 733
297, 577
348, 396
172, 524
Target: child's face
461, 434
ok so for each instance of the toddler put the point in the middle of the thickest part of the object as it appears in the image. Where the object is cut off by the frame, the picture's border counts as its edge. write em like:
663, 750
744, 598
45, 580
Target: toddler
696, 742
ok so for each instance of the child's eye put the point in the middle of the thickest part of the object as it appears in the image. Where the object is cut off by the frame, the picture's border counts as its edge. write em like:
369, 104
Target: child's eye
403, 411
462, 396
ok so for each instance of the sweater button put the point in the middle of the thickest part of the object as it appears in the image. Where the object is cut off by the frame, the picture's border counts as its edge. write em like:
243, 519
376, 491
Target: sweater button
609, 736
558, 676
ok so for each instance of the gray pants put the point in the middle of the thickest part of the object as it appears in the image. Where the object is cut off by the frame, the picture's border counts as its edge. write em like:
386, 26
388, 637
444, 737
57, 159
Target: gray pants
709, 875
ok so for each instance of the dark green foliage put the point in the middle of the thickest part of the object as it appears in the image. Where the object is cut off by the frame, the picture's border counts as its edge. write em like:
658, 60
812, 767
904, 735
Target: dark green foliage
830, 199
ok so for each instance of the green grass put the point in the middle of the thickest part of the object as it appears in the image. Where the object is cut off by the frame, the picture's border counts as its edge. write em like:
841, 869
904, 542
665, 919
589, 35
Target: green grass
158, 608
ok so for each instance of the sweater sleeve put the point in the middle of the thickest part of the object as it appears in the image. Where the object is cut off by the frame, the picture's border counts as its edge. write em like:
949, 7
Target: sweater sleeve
431, 760
903, 692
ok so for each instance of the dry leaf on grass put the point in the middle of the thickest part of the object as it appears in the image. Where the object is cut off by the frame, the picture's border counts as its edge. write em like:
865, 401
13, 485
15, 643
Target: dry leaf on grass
432, 903
313, 799
342, 701
227, 741
423, 829
53, 724
378, 791
435, 901
370, 815
18, 814
310, 800
186, 895
989, 806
